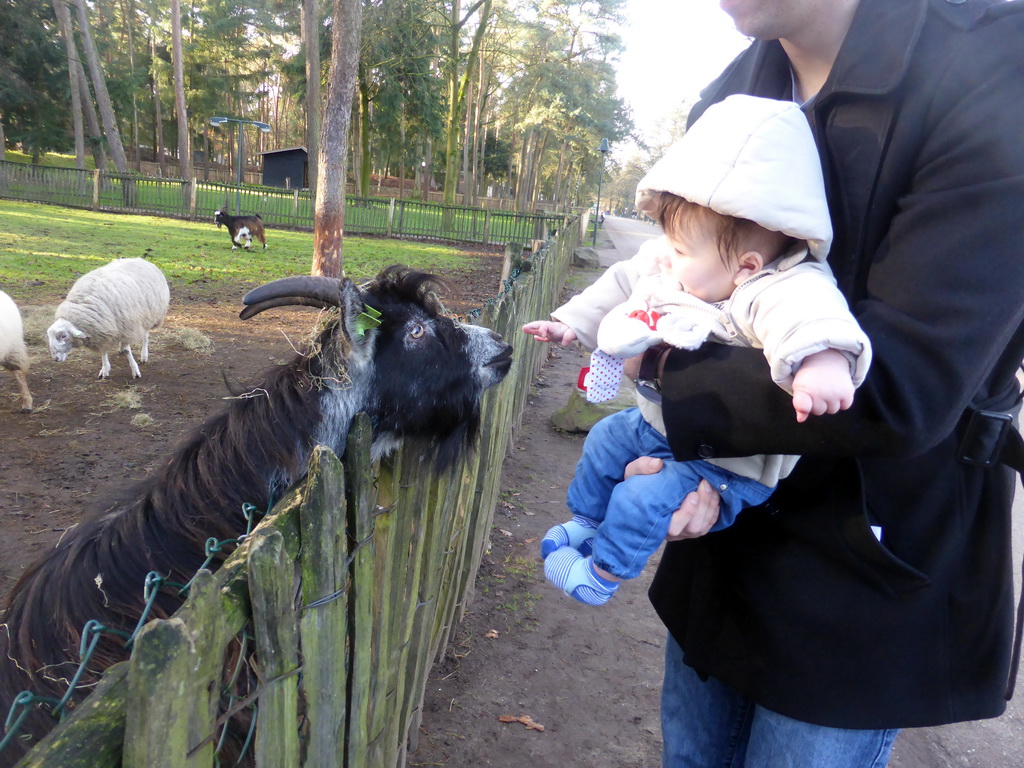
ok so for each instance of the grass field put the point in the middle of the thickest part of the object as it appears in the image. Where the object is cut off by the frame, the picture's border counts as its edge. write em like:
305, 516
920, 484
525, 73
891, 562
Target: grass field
50, 158
43, 247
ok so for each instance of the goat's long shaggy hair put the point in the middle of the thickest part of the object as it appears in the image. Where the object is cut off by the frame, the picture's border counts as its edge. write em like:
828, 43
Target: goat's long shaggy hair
417, 375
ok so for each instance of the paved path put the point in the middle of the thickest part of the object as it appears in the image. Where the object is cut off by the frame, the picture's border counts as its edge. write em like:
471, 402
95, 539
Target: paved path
997, 743
626, 236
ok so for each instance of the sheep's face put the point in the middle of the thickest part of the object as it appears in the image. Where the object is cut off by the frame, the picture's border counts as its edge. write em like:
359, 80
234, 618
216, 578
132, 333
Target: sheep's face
63, 337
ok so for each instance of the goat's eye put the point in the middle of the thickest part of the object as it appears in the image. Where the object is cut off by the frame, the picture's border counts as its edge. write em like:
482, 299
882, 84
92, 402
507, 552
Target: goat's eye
417, 331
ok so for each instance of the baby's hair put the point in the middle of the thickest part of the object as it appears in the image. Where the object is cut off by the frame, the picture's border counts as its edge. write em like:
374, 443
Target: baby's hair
733, 235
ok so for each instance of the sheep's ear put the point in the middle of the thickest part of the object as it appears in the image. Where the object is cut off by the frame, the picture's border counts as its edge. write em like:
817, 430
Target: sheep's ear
77, 333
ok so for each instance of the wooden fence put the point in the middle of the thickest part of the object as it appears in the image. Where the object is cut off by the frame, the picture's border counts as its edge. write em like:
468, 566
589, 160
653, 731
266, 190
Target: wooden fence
386, 189
352, 587
293, 209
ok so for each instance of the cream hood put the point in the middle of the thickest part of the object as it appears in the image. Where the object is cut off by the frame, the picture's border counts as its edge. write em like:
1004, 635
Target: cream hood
749, 157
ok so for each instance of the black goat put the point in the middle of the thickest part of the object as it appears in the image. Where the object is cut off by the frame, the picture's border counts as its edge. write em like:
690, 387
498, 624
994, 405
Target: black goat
242, 229
416, 373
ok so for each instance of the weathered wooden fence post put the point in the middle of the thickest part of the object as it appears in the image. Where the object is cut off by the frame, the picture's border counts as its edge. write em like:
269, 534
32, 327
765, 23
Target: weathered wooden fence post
272, 591
157, 715
361, 648
205, 610
323, 621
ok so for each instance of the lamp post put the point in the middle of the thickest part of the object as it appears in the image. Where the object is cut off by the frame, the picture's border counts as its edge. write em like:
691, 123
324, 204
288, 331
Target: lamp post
604, 149
217, 122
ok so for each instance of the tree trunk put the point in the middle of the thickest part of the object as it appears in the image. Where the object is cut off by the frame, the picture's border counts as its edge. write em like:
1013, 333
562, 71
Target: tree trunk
184, 150
64, 22
535, 167
522, 170
94, 137
100, 88
363, 118
401, 157
560, 180
3, 144
457, 84
158, 117
129, 14
479, 136
467, 134
428, 170
481, 157
311, 36
329, 217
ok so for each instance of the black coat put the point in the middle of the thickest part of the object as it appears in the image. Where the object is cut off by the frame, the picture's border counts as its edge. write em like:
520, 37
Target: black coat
921, 132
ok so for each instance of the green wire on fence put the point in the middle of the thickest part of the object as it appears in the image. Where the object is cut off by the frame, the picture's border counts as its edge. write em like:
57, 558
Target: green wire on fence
23, 701
228, 691
93, 630
214, 547
91, 633
149, 592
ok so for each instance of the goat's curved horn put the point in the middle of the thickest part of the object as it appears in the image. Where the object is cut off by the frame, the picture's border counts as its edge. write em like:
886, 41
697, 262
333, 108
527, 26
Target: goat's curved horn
308, 291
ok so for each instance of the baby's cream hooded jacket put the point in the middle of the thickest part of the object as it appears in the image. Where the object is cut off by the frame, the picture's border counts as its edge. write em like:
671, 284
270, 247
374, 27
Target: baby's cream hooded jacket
753, 158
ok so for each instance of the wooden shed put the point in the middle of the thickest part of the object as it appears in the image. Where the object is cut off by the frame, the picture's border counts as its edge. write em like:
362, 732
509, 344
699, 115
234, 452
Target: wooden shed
288, 167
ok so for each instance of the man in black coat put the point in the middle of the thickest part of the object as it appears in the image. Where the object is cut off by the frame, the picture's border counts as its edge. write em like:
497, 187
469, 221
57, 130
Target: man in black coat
874, 591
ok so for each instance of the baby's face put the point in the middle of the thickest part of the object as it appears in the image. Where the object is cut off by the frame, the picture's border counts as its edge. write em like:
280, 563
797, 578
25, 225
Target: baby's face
696, 264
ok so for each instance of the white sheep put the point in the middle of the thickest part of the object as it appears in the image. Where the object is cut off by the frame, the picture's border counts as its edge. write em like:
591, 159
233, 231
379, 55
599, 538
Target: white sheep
110, 309
13, 354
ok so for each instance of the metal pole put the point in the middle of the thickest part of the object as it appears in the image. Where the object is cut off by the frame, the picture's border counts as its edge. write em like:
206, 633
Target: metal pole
597, 217
241, 155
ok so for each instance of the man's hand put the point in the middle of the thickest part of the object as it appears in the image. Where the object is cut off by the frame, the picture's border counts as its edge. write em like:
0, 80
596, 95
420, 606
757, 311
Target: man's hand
822, 384
698, 511
550, 330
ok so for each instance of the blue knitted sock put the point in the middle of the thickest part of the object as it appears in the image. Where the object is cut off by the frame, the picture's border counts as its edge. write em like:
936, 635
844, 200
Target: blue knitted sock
577, 533
574, 574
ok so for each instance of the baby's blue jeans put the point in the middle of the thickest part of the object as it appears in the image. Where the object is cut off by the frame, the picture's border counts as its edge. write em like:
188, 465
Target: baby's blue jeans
633, 515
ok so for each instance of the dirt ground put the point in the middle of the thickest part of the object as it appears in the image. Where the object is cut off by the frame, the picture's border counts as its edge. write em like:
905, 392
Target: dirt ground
88, 435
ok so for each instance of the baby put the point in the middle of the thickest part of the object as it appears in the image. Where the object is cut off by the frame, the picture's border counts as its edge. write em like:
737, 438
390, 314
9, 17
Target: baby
741, 201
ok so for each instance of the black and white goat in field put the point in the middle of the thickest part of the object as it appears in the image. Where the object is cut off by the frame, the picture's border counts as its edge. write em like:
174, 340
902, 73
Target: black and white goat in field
418, 375
242, 229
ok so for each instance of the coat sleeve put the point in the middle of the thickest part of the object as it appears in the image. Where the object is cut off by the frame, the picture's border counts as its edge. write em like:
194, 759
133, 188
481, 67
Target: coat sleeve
801, 312
940, 292
584, 311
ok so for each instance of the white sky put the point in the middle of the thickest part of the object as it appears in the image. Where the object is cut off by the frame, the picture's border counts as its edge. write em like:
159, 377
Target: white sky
673, 49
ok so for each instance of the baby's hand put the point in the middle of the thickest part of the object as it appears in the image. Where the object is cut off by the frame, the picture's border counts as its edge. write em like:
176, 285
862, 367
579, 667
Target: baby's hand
822, 385
550, 330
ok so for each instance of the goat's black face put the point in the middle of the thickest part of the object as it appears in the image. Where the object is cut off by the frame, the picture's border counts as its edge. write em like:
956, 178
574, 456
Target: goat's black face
392, 353
218, 218
430, 370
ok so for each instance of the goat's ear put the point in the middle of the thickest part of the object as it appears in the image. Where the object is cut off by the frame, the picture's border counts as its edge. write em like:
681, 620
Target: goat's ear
352, 309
